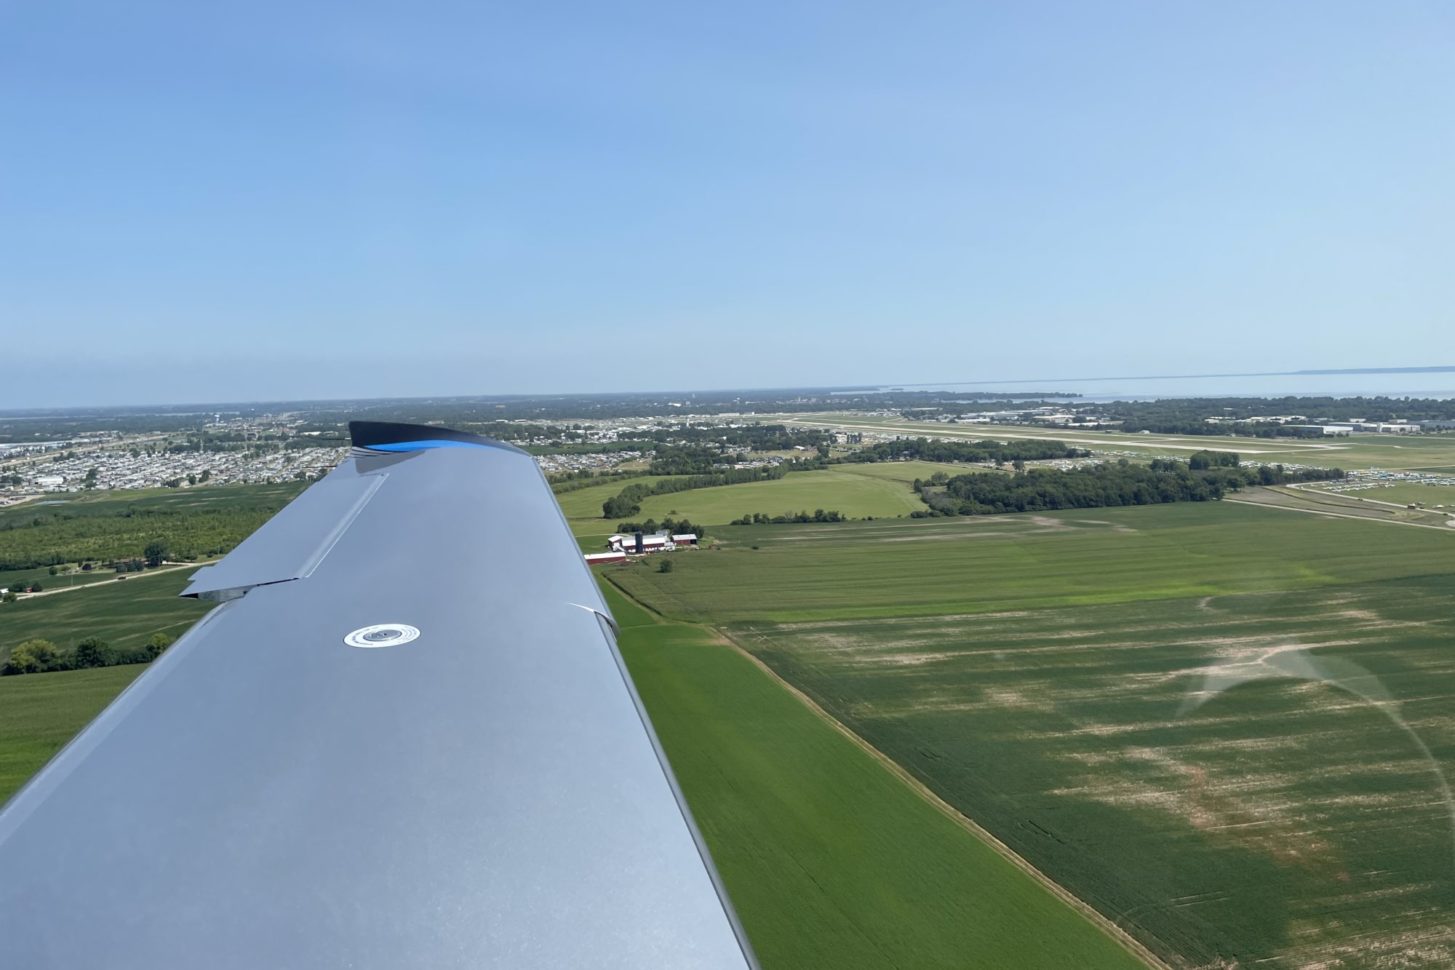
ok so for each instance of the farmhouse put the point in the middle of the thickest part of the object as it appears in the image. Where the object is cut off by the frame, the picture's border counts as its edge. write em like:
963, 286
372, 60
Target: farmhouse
640, 544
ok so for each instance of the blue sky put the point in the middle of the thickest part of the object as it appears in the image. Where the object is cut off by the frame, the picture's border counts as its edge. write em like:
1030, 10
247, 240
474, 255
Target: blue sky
265, 200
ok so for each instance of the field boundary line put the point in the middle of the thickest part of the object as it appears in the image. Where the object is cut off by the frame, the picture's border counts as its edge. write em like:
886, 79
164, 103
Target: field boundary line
1337, 515
1095, 916
106, 582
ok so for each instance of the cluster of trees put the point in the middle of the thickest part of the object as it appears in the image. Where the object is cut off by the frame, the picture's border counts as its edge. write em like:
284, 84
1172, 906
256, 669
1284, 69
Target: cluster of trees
1109, 484
684, 448
818, 515
1203, 460
42, 656
1223, 467
629, 500
691, 459
674, 526
999, 452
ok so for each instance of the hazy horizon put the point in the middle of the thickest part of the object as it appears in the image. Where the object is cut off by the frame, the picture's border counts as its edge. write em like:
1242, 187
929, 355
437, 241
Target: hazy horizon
1434, 381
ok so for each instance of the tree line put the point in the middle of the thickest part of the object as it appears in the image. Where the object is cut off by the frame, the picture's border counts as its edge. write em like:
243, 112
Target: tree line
40, 656
562, 482
818, 515
1106, 484
669, 524
998, 452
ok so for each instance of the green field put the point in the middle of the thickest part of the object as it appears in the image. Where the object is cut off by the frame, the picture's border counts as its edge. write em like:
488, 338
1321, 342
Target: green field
857, 496
1043, 675
125, 613
584, 504
40, 712
978, 564
831, 861
582, 509
880, 490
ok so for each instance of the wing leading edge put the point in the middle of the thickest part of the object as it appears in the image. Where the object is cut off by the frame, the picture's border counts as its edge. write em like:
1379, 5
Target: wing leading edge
471, 783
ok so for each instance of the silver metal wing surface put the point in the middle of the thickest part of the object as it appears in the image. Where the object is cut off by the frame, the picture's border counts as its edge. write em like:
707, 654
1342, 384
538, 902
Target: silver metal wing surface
405, 738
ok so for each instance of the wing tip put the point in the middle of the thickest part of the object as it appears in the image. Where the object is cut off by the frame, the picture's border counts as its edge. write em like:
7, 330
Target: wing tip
391, 436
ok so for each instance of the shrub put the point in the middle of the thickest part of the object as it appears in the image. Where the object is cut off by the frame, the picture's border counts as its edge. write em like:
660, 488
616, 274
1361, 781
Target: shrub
34, 657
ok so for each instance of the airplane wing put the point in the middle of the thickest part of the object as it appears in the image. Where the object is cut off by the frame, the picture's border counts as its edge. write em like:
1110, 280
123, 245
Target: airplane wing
405, 738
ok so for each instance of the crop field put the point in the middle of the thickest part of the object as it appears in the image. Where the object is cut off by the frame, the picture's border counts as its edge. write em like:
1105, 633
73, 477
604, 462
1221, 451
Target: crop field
975, 564
1227, 728
194, 522
878, 490
158, 500
831, 861
125, 613
1426, 452
39, 713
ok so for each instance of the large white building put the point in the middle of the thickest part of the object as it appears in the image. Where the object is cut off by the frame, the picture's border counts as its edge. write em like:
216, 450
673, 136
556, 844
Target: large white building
657, 542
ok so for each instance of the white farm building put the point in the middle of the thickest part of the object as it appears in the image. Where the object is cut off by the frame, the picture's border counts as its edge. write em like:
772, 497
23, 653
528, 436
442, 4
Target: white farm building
639, 544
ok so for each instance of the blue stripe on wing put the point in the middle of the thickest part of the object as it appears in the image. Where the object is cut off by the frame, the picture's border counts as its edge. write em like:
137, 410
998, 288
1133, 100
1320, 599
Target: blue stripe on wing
426, 445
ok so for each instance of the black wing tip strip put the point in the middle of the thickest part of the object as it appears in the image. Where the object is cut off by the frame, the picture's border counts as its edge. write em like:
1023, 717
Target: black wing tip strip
373, 434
